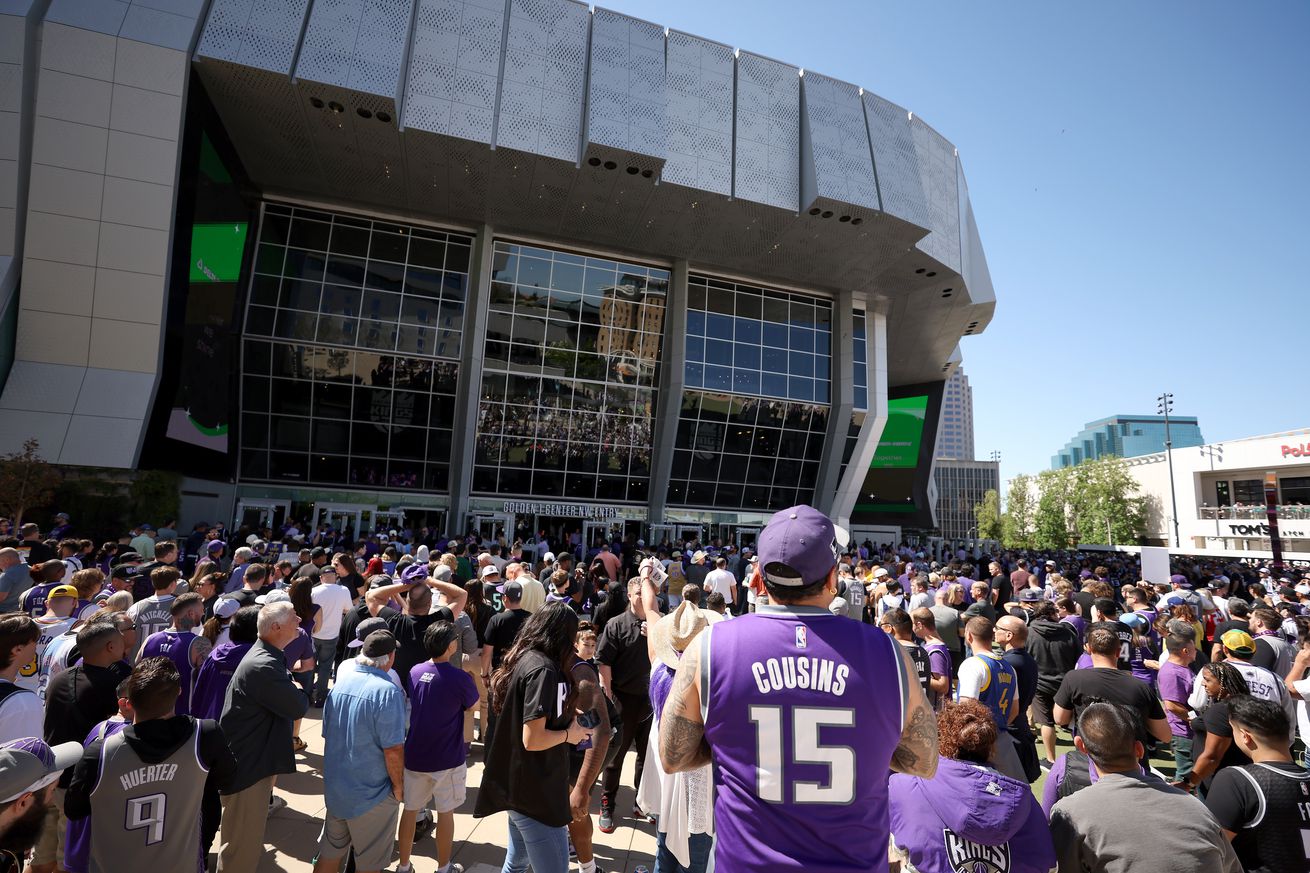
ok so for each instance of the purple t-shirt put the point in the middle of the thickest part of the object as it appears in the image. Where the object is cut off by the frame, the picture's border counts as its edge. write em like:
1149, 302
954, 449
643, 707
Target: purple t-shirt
299, 649
1078, 623
939, 663
438, 697
1175, 683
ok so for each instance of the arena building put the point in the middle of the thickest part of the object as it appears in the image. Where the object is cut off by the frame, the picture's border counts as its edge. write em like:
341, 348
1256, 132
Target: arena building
490, 264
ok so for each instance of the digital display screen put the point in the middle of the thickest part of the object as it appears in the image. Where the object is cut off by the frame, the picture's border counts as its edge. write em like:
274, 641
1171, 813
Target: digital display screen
216, 252
903, 434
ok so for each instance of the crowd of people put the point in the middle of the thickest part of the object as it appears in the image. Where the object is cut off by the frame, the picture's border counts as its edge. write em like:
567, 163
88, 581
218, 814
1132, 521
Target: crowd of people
809, 704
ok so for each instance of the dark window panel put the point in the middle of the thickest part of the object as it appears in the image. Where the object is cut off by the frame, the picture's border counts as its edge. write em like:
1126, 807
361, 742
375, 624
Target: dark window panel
288, 467
264, 290
409, 443
700, 493
269, 259
437, 477
728, 494
368, 438
638, 489
404, 474
705, 465
580, 486
254, 431
331, 436
370, 472
547, 482
379, 335
254, 465
515, 481
677, 492
290, 398
444, 377
755, 497
254, 393
309, 234
260, 320
257, 357
426, 252
457, 258
342, 270
484, 479
347, 240
331, 469
681, 465
389, 247
276, 228
309, 266
733, 468
385, 276
759, 470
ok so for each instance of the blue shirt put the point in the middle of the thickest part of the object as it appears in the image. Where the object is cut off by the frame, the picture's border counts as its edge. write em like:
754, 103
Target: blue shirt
13, 582
364, 714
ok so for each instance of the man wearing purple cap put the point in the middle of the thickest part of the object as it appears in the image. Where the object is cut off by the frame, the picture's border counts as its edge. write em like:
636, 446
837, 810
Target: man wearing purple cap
802, 712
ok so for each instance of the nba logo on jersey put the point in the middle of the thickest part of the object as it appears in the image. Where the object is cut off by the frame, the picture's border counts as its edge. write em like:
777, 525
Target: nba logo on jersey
801, 642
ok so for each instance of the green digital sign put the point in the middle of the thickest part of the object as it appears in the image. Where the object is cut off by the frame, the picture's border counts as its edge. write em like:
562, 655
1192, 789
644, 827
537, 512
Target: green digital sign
903, 434
216, 252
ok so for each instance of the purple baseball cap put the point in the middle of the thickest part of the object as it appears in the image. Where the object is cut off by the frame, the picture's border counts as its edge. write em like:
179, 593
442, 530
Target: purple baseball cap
799, 546
1180, 579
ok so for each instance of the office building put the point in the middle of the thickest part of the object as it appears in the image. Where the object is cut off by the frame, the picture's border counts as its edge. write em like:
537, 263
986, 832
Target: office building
1127, 436
475, 264
961, 485
955, 435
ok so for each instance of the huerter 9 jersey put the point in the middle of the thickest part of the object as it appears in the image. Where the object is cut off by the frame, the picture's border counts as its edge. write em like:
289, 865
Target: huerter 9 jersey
147, 813
803, 710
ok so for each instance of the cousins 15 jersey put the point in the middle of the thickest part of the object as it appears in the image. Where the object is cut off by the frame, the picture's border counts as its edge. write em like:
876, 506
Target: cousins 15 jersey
803, 710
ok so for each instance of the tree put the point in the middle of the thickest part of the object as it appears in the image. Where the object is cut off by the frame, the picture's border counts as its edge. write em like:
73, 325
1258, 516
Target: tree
1106, 508
1051, 518
1020, 506
27, 481
988, 516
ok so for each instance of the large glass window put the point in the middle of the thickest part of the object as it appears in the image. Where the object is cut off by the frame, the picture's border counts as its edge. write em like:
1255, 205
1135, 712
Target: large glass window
757, 341
569, 374
349, 362
1250, 492
748, 452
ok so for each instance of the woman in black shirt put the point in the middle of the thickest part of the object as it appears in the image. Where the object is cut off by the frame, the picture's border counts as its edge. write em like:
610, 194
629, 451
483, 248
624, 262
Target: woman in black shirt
527, 770
1212, 744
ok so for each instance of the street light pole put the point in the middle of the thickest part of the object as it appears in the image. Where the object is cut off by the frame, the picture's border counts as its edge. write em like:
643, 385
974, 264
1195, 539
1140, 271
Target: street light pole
1165, 405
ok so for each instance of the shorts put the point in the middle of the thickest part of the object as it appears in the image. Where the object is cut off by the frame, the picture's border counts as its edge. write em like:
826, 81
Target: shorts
49, 848
445, 788
1043, 709
372, 834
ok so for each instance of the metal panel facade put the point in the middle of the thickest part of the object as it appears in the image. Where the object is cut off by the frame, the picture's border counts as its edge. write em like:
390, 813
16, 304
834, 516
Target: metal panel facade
836, 162
544, 80
454, 68
356, 44
767, 168
698, 109
625, 109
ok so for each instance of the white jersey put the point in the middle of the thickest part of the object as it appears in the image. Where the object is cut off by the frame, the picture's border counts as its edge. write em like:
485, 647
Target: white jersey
30, 677
54, 660
1265, 685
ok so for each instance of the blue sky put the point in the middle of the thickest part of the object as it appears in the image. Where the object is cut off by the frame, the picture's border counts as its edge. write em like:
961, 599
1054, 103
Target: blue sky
1139, 175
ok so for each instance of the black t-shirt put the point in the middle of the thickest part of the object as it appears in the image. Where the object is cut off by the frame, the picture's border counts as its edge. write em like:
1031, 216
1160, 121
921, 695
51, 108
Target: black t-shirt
1084, 599
408, 630
243, 596
1215, 721
1264, 656
1225, 626
622, 647
1082, 687
535, 784
1026, 669
502, 630
1274, 843
38, 553
1003, 589
78, 699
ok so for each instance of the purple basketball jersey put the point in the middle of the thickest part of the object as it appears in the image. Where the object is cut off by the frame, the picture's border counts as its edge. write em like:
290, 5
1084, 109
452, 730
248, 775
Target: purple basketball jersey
803, 712
176, 646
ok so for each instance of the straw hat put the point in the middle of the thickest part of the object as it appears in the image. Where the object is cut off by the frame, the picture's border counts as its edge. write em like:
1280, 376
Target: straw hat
675, 631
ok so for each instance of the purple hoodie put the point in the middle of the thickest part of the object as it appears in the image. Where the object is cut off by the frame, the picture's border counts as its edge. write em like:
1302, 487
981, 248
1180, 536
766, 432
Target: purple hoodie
210, 690
969, 817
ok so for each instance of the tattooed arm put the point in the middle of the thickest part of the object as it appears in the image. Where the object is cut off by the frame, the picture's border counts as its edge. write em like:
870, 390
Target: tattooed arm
916, 755
682, 731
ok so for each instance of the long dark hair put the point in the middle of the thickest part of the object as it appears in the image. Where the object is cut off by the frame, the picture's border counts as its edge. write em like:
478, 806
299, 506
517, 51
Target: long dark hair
1231, 682
301, 598
551, 631
616, 603
475, 604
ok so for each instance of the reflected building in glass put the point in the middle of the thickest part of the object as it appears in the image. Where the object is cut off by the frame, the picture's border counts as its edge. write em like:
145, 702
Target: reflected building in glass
499, 266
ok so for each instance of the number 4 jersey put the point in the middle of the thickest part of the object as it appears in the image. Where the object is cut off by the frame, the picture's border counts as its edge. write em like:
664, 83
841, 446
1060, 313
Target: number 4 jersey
147, 813
803, 710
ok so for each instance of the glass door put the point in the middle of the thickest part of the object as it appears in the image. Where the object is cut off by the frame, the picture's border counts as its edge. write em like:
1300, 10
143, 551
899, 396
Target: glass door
344, 517
746, 537
659, 534
259, 514
689, 532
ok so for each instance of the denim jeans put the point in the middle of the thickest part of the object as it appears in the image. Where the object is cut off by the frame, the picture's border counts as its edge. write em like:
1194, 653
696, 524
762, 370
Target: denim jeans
531, 842
698, 848
1182, 748
325, 652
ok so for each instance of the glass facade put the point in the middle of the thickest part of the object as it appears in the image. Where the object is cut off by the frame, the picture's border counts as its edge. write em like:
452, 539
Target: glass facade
755, 410
350, 355
571, 361
762, 342
961, 485
860, 361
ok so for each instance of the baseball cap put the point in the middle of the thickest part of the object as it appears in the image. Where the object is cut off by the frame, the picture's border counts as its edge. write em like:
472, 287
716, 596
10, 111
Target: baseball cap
146, 527
378, 644
1029, 595
1050, 563
318, 552
1238, 642
226, 607
63, 515
1175, 601
441, 573
799, 546
364, 629
62, 591
415, 574
29, 764
215, 545
548, 558
1134, 619
1216, 584
123, 571
511, 590
128, 558
277, 595
489, 570
880, 572
1180, 580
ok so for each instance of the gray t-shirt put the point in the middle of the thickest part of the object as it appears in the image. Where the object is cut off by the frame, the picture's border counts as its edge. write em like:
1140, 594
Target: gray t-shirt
1101, 828
948, 626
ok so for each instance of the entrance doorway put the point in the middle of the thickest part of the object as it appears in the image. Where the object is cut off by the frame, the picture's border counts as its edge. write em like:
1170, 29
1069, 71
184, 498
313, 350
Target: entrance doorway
746, 537
256, 515
349, 518
592, 530
688, 532
491, 527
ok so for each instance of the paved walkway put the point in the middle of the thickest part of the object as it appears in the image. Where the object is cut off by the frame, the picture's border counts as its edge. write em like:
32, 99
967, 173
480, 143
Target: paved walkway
292, 835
